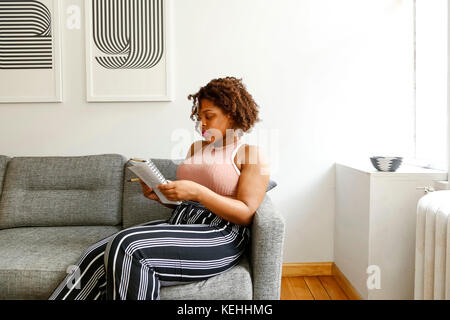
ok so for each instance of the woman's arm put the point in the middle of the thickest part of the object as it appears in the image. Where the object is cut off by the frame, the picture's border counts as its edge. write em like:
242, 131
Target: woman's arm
252, 186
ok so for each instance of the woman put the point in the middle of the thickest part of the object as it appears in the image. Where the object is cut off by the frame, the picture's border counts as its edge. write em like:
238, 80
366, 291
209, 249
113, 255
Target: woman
221, 183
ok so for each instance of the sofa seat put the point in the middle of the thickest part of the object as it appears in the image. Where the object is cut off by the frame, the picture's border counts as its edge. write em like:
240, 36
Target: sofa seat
235, 284
34, 260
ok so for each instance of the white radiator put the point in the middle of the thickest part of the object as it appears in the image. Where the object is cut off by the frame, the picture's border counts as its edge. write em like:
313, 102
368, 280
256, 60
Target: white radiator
432, 272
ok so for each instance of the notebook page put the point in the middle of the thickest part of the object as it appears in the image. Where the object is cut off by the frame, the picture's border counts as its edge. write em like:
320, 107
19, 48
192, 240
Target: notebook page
143, 171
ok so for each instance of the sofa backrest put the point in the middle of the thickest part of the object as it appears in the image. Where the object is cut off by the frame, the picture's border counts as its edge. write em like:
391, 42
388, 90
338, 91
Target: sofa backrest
3, 164
136, 208
62, 191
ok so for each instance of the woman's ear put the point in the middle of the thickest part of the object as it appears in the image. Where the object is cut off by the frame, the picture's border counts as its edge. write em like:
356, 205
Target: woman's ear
231, 121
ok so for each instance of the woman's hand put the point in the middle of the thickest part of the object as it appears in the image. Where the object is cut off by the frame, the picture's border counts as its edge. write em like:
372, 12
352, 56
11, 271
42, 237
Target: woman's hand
148, 192
181, 190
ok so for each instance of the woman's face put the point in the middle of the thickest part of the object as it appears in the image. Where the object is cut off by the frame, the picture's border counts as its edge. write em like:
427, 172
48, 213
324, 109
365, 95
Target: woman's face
213, 119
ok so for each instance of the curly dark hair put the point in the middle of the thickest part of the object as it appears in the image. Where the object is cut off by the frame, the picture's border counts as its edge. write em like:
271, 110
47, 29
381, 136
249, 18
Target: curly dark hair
232, 97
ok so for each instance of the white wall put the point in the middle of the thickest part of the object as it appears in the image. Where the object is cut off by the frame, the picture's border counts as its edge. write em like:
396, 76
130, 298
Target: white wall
327, 74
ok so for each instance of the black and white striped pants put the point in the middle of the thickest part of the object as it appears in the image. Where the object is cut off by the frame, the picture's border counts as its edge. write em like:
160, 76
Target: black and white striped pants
194, 244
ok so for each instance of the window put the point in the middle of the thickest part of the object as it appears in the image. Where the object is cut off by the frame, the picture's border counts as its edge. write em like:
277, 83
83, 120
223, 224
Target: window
430, 64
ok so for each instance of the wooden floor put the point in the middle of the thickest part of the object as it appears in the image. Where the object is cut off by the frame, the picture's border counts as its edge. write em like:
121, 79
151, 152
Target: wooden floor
311, 288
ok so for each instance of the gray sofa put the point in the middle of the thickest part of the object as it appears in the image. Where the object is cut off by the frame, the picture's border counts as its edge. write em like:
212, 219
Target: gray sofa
54, 208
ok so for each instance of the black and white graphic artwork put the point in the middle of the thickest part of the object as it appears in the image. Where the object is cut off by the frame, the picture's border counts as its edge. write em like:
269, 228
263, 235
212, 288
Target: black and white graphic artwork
30, 53
25, 35
127, 50
128, 32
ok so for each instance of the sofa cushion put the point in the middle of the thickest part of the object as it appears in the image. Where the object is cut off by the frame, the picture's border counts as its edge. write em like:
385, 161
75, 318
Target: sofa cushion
33, 261
139, 209
234, 284
62, 191
3, 163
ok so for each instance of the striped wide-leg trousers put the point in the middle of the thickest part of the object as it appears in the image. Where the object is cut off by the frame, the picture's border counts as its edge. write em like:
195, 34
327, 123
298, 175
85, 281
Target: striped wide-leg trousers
193, 245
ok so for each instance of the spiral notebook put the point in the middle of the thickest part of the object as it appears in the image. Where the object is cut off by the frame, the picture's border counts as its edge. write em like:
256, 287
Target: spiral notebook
147, 171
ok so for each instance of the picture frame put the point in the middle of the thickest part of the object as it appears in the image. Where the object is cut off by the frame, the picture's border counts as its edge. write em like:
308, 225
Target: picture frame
30, 52
128, 50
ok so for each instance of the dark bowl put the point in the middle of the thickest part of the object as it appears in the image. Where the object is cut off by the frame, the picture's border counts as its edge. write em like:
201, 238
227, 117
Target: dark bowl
386, 164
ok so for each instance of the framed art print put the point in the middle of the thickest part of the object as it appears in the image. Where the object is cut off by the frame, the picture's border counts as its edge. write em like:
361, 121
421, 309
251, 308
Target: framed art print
127, 50
30, 51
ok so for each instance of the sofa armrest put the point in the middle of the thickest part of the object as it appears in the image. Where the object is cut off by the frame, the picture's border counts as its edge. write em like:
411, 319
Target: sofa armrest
266, 254
3, 164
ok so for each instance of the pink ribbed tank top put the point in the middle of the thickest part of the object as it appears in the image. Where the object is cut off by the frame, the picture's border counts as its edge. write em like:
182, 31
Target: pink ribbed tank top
213, 168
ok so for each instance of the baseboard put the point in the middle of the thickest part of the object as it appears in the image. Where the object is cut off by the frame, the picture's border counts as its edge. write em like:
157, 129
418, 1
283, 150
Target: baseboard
345, 284
310, 269
307, 269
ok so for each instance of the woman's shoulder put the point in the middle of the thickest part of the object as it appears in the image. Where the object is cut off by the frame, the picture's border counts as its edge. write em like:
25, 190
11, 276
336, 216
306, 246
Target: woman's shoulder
249, 154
